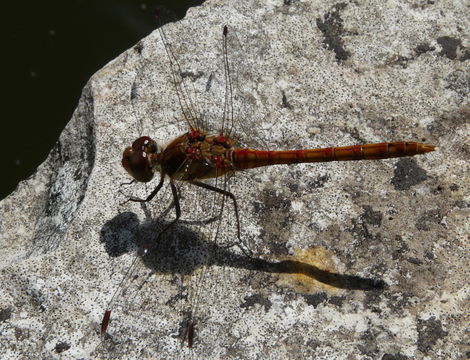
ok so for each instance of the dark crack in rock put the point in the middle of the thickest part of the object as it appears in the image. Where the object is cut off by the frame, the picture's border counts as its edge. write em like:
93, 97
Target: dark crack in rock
332, 28
394, 357
315, 299
459, 82
424, 48
429, 217
318, 182
407, 173
337, 300
372, 217
275, 219
61, 347
5, 314
451, 47
254, 299
429, 332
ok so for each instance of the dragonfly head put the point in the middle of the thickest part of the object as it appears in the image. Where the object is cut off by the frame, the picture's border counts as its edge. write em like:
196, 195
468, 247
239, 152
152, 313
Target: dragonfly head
140, 159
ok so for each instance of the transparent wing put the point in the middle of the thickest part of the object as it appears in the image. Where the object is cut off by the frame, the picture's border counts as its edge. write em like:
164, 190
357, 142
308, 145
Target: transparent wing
183, 87
225, 91
183, 262
242, 117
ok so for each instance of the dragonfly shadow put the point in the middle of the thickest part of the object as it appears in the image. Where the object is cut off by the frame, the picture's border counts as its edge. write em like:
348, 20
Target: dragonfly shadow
349, 282
181, 250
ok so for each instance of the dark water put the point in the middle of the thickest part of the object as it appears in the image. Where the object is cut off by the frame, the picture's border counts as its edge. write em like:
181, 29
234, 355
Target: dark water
52, 48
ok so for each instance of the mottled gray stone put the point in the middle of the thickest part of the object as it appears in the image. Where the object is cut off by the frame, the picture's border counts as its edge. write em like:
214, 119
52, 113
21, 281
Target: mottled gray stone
311, 74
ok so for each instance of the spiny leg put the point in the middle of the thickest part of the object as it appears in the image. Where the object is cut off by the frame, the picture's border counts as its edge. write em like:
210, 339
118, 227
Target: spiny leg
176, 200
235, 205
128, 183
152, 194
174, 191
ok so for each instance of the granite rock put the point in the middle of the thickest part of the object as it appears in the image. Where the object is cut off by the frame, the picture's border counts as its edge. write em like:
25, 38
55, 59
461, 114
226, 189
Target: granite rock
308, 74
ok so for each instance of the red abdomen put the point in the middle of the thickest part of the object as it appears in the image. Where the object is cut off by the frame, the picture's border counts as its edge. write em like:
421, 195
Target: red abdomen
247, 158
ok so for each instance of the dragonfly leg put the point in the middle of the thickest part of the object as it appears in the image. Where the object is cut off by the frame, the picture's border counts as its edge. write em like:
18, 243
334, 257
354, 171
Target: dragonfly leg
152, 194
176, 200
128, 183
235, 205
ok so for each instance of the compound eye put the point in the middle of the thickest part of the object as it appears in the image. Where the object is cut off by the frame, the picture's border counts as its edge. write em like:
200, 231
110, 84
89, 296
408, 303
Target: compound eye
138, 161
137, 164
141, 143
145, 144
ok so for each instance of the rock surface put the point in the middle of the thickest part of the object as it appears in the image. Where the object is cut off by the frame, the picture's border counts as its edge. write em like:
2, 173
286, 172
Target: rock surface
310, 75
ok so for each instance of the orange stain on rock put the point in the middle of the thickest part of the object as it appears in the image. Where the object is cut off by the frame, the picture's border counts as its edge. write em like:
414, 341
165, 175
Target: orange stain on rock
318, 257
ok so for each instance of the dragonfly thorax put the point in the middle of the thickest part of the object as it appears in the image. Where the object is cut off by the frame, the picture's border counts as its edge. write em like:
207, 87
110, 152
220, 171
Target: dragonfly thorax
197, 155
141, 159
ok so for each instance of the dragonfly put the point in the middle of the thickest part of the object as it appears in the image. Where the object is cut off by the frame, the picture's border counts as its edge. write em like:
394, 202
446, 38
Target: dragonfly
199, 155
